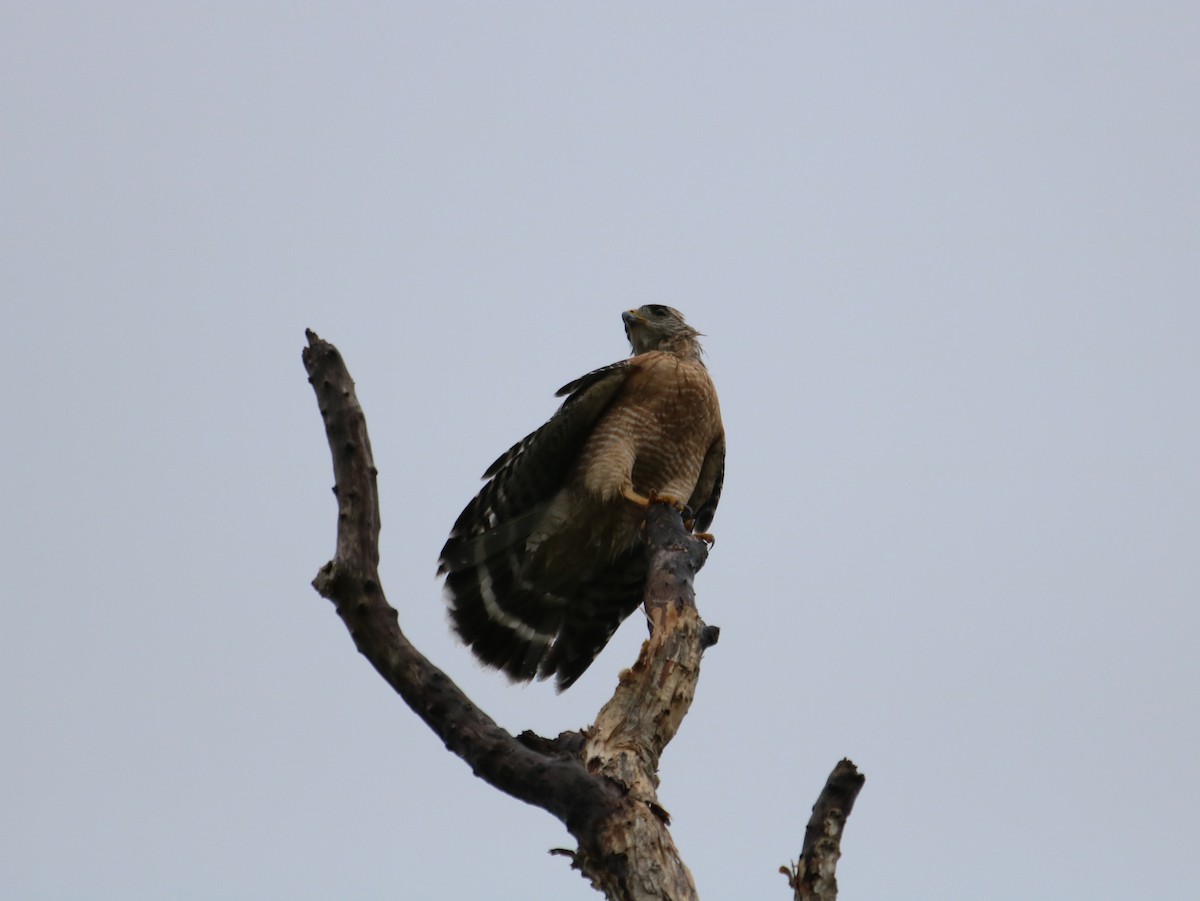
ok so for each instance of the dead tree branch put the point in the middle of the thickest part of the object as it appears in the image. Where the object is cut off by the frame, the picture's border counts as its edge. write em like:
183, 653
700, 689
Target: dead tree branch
813, 877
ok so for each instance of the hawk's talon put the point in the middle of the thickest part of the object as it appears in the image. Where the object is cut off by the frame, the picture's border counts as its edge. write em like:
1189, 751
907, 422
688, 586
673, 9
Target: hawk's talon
656, 498
707, 537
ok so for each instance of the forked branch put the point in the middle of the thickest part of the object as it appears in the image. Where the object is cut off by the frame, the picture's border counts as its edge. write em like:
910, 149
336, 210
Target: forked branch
601, 785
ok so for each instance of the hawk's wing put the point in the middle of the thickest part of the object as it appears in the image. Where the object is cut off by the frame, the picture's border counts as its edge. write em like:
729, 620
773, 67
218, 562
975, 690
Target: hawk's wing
526, 477
707, 493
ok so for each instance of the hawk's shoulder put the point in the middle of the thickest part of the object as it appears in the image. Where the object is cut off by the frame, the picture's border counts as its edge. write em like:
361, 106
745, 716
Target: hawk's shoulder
612, 375
524, 479
587, 397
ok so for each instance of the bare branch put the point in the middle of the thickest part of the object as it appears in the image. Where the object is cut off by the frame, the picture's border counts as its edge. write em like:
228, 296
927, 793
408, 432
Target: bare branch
813, 877
650, 702
351, 580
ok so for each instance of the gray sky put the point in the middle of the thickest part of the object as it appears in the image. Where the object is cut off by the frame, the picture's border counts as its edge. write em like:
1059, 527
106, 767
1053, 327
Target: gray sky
946, 260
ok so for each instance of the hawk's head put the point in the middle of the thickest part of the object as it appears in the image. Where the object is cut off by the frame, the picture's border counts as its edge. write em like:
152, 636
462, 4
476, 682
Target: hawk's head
658, 327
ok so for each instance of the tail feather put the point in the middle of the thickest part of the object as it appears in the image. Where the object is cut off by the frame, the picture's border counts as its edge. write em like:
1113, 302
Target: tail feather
526, 631
506, 626
469, 548
597, 610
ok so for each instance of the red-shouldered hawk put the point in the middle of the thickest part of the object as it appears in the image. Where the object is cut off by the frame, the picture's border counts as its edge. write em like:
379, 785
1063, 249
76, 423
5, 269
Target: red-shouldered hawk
545, 563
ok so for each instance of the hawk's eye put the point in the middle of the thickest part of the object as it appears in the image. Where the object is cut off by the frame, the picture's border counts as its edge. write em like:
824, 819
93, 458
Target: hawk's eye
657, 309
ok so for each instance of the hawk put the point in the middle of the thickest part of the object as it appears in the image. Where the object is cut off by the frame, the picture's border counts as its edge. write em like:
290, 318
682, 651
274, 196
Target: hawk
546, 562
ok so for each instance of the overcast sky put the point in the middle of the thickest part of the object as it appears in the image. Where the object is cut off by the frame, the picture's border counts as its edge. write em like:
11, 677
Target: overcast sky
946, 257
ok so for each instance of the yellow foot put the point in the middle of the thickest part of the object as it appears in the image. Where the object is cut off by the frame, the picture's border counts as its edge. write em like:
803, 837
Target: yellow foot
655, 498
707, 537
631, 495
